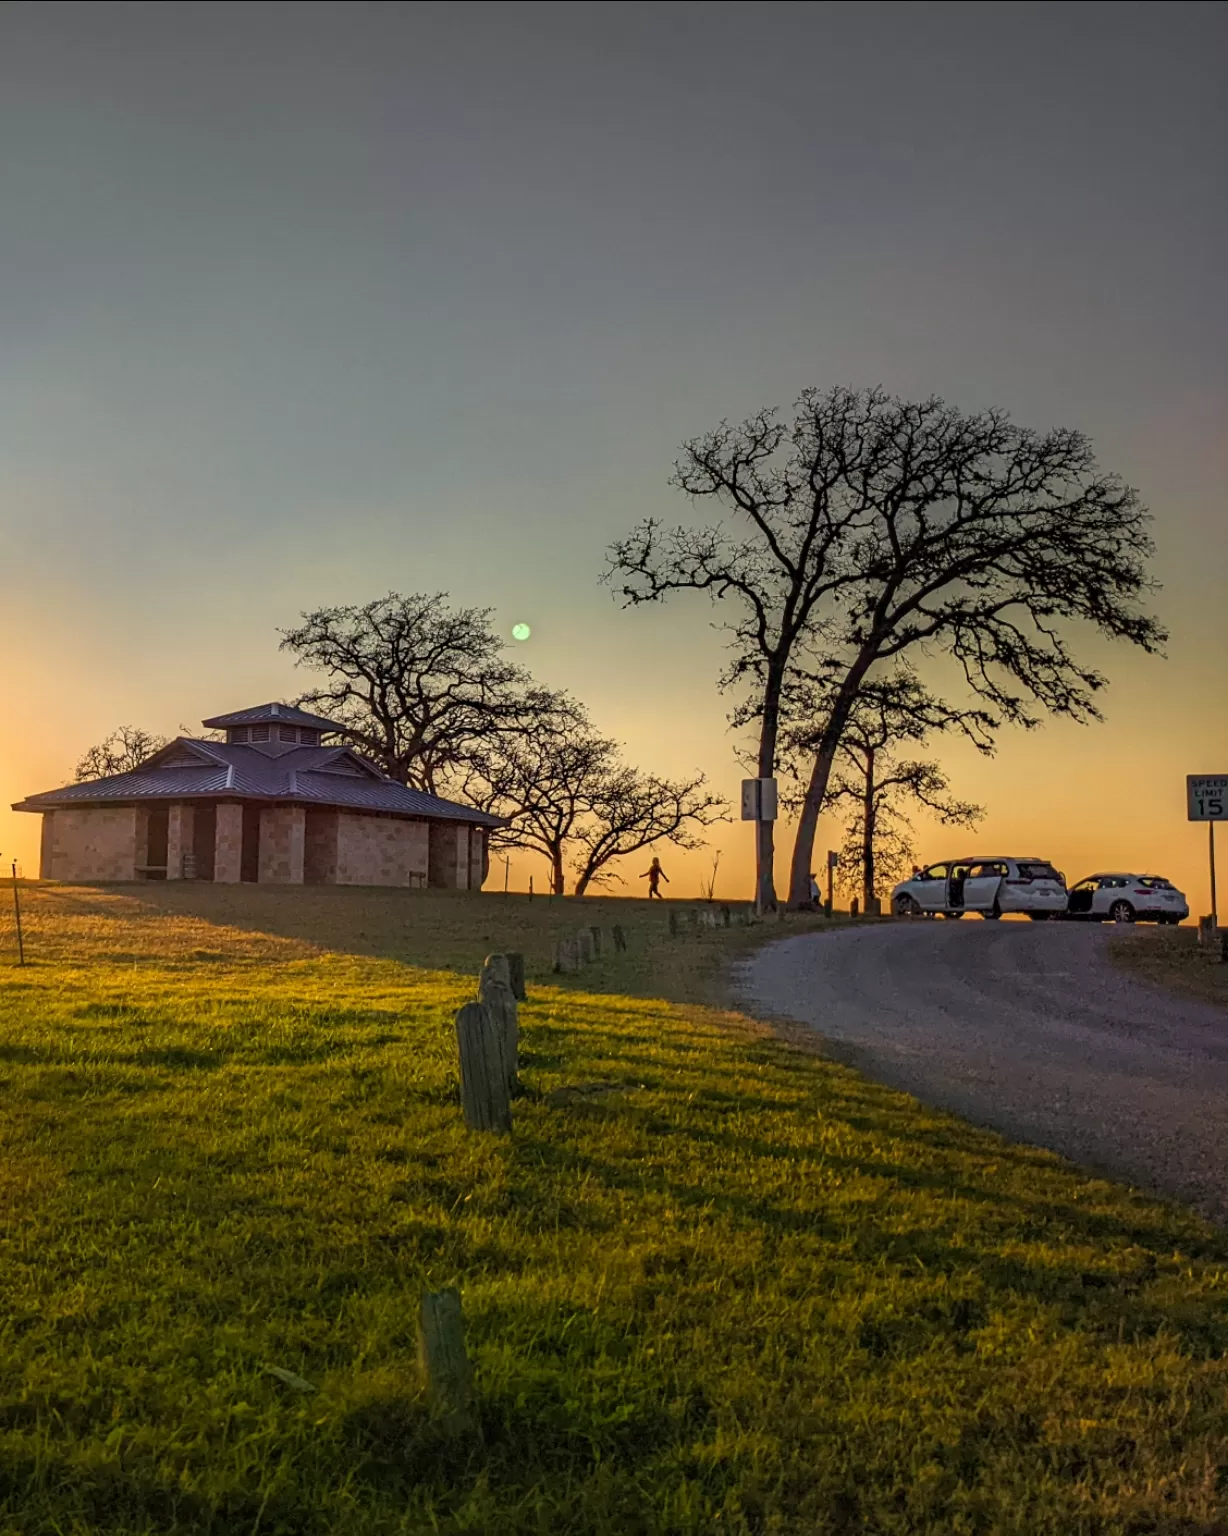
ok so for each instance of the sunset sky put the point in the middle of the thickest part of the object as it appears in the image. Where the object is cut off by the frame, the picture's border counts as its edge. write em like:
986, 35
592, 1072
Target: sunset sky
301, 303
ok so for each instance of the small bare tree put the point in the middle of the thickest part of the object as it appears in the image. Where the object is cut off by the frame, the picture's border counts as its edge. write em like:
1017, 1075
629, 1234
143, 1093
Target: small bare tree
122, 751
631, 811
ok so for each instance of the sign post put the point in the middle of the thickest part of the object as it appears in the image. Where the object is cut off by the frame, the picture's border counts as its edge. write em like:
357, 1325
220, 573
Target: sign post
759, 806
1207, 800
833, 858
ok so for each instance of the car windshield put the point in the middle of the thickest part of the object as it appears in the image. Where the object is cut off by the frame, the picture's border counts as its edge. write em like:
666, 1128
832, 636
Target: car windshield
1038, 872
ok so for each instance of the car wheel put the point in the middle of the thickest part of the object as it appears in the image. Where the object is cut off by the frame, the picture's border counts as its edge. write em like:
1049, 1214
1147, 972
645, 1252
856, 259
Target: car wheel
1039, 917
905, 906
1121, 912
952, 916
1171, 921
993, 914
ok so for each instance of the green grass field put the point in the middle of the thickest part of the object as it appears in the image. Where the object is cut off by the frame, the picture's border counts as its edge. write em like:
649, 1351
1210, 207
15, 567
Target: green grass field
743, 1290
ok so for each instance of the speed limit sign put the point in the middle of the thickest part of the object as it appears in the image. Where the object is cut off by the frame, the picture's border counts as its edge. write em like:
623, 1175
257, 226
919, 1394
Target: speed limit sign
1207, 796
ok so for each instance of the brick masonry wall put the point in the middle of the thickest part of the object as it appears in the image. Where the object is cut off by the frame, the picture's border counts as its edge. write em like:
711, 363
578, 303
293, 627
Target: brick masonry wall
282, 829
380, 850
228, 843
94, 843
46, 846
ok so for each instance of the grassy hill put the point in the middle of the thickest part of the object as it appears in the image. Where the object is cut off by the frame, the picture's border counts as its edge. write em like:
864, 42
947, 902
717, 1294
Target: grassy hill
736, 1288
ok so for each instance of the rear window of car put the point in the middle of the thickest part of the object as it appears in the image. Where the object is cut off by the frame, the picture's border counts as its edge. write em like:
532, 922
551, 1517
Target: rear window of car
1154, 883
1038, 872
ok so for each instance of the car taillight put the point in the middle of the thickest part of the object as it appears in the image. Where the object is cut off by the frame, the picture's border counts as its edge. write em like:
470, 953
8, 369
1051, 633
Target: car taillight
1141, 890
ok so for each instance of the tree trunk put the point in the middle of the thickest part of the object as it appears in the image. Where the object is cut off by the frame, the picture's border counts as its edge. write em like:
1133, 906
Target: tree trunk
557, 882
816, 790
867, 836
765, 831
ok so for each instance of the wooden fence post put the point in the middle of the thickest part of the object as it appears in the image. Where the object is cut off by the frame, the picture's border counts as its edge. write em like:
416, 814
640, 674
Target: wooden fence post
596, 933
620, 940
483, 1069
673, 924
515, 967
495, 990
444, 1359
566, 955
584, 941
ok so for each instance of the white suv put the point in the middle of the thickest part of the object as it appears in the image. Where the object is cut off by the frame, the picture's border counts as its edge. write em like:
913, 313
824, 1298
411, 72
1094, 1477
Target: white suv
1127, 899
988, 886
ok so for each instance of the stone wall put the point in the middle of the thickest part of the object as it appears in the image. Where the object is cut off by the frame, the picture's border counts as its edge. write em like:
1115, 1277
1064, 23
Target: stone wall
228, 843
282, 830
96, 842
380, 850
180, 827
46, 846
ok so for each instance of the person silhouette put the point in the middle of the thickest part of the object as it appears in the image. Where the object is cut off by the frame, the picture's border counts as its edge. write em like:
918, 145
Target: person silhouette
654, 874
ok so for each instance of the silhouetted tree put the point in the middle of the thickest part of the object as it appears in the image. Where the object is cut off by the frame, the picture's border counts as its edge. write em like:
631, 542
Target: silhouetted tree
633, 810
567, 795
871, 529
870, 771
122, 751
420, 688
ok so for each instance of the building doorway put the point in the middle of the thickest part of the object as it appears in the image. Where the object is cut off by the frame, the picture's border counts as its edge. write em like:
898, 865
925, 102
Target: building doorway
204, 840
157, 842
249, 856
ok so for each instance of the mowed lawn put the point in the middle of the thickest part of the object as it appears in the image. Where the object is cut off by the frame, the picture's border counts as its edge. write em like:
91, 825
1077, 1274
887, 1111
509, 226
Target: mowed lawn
739, 1289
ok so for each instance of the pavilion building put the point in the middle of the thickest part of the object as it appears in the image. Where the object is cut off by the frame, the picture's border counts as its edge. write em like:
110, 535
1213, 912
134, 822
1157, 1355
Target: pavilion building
274, 803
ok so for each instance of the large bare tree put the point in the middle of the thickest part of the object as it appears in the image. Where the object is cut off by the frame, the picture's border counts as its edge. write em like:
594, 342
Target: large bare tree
123, 750
870, 530
632, 810
419, 687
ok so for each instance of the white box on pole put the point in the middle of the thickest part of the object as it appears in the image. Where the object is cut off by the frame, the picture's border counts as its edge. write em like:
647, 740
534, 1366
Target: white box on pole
758, 799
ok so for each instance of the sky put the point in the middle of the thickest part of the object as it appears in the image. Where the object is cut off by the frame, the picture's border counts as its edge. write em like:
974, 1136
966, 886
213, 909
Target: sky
303, 303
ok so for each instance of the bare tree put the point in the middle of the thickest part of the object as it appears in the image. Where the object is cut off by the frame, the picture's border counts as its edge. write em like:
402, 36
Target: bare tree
567, 795
873, 529
543, 779
419, 687
889, 712
632, 810
122, 751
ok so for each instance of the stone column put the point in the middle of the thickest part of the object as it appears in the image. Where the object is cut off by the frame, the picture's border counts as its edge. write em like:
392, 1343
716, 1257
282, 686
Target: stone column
180, 824
228, 843
46, 852
283, 831
462, 858
296, 842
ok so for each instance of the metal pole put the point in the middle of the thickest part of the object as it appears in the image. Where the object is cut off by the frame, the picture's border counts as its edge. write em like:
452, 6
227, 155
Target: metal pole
507, 865
1211, 840
21, 948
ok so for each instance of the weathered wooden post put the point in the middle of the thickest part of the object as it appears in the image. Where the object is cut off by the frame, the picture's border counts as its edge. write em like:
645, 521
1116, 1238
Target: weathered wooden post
485, 1098
515, 967
596, 933
584, 942
566, 956
853, 907
445, 1361
495, 990
673, 924
620, 940
725, 916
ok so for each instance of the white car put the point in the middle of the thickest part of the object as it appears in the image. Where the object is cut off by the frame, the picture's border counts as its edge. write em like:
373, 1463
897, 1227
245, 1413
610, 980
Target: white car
1127, 899
988, 886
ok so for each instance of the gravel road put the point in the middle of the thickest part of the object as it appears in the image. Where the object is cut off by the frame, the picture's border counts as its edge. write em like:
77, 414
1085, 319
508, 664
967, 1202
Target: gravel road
1024, 1027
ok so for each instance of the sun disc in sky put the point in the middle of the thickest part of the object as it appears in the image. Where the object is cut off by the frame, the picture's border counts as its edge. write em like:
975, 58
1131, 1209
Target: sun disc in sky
521, 631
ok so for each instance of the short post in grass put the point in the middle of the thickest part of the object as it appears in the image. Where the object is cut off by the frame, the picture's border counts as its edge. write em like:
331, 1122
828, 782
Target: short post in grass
495, 990
620, 939
21, 947
597, 941
725, 917
584, 942
485, 1095
566, 956
673, 924
515, 967
445, 1361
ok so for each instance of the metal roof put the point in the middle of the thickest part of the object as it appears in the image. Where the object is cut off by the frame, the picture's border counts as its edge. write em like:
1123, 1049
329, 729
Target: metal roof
211, 770
258, 714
